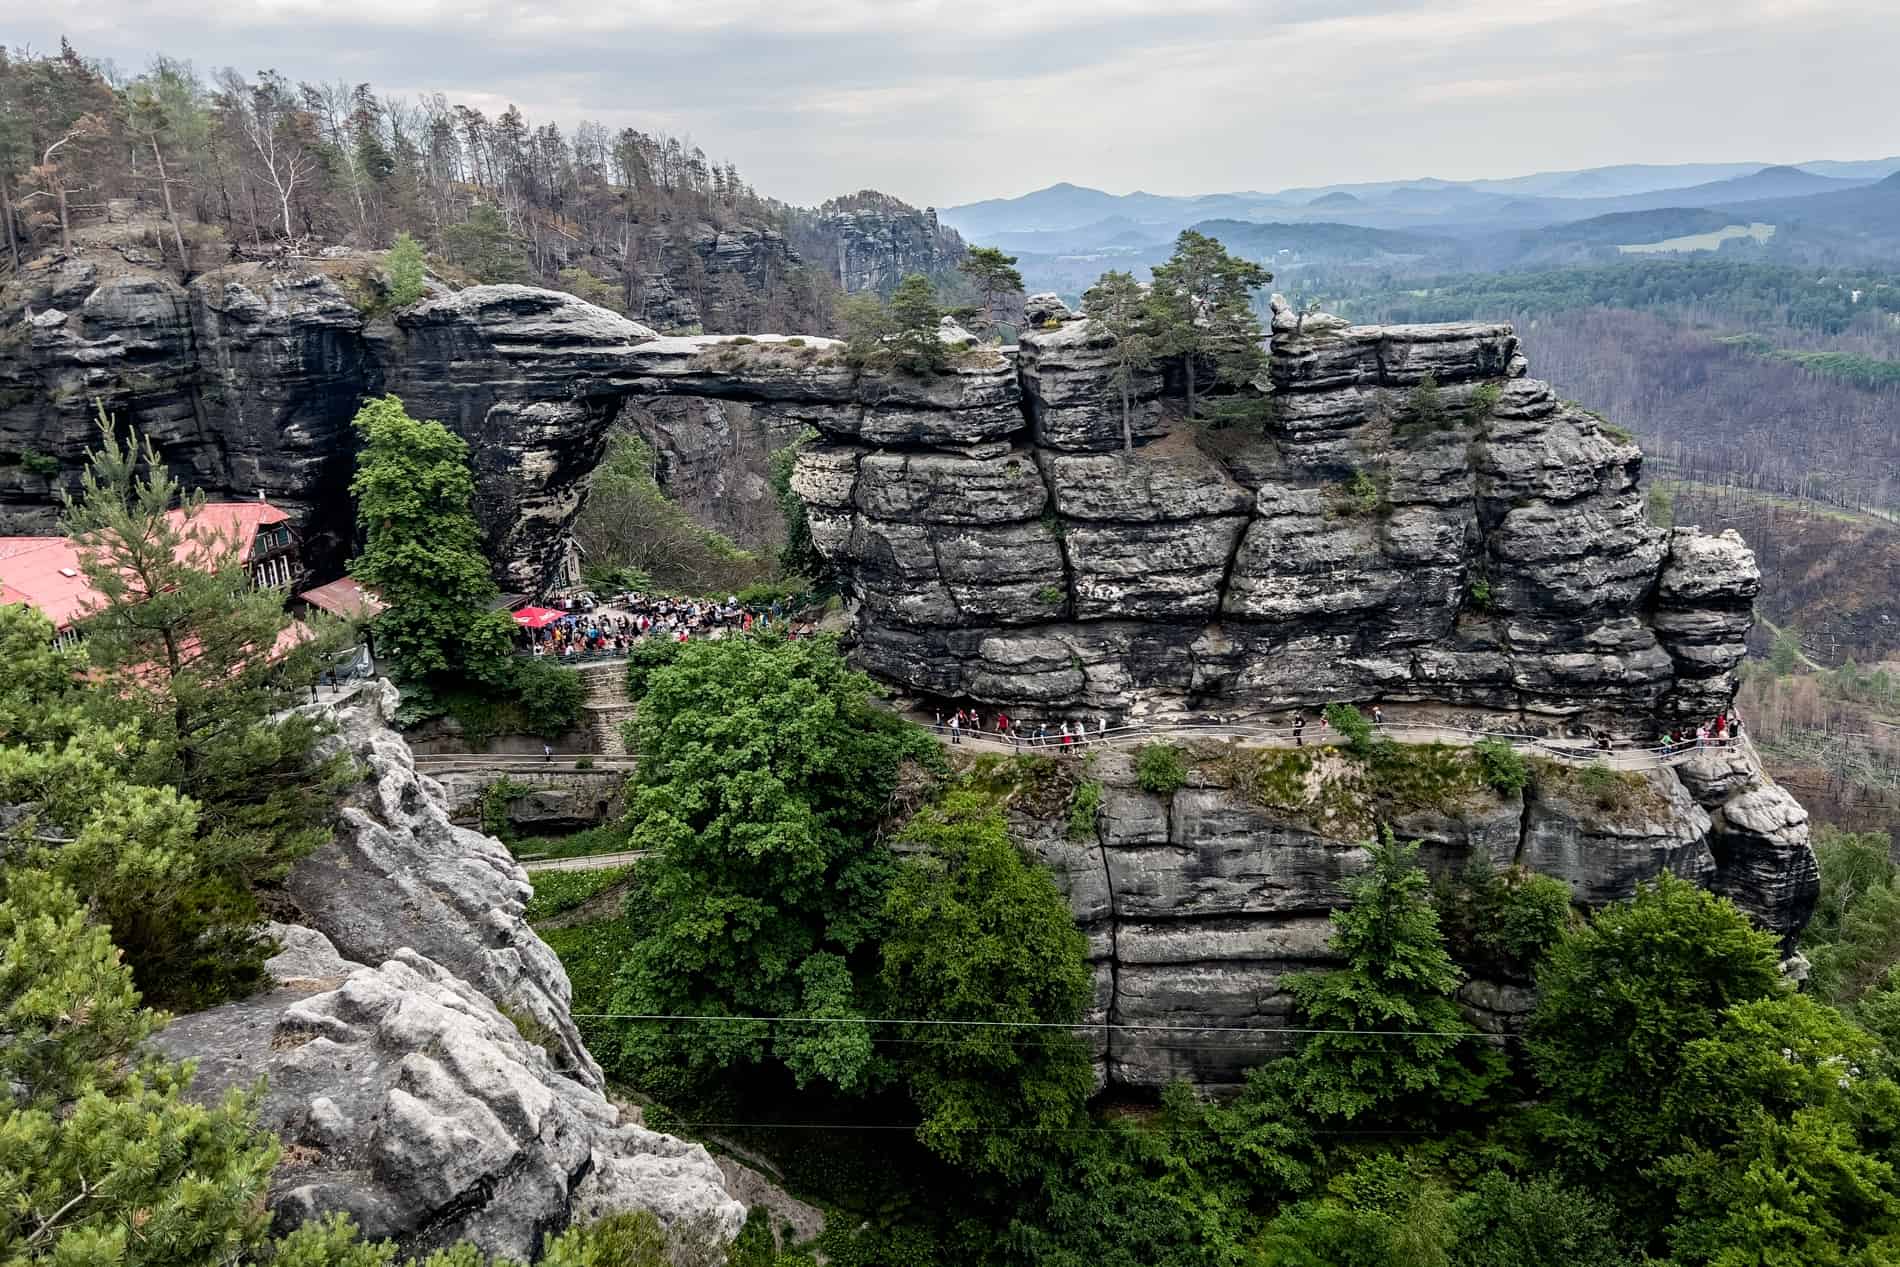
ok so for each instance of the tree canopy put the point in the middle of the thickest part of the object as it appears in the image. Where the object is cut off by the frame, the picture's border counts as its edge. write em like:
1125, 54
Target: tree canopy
422, 549
764, 769
1200, 308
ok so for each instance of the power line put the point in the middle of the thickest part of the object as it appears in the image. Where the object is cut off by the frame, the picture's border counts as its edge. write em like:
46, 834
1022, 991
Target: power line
675, 1018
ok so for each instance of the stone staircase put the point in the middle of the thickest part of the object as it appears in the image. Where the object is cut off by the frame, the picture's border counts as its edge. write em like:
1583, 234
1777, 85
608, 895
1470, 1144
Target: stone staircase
604, 706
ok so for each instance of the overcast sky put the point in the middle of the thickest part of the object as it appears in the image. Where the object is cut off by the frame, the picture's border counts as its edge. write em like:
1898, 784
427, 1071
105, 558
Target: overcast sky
948, 101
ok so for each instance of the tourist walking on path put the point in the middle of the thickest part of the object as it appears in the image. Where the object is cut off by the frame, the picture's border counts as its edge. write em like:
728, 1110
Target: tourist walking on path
547, 752
956, 728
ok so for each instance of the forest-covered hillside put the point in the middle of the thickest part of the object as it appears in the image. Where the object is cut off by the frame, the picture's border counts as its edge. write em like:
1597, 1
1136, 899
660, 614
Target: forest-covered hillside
229, 164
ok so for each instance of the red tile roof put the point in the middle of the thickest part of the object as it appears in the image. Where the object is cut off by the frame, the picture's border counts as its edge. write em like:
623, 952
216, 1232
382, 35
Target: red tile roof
345, 597
44, 572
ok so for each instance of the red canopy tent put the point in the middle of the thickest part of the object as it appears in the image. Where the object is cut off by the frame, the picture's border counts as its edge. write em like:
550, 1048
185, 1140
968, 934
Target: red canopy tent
537, 617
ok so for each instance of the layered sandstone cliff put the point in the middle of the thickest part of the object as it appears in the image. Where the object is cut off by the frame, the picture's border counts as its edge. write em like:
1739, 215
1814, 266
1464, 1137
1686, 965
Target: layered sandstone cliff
1416, 522
1199, 904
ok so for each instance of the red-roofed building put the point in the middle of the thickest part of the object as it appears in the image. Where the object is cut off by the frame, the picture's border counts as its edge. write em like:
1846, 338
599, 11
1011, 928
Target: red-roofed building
345, 598
45, 572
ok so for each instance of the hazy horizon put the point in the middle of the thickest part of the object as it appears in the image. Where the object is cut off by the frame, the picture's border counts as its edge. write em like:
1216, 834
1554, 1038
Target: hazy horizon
945, 104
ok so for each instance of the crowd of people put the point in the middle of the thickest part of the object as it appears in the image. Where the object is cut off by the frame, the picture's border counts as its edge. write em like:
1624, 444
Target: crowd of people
1720, 733
970, 721
612, 628
997, 726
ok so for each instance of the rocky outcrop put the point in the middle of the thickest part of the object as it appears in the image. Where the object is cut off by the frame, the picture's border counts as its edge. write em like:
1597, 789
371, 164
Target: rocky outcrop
710, 276
1416, 523
876, 241
1198, 906
422, 1064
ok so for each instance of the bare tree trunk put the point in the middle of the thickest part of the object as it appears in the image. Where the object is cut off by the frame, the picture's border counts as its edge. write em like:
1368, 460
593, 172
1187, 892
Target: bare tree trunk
6, 220
1188, 361
164, 187
1128, 425
65, 224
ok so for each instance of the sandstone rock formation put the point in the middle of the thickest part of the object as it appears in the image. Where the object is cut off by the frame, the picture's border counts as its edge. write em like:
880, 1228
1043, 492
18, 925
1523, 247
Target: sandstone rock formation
1198, 905
1417, 523
878, 241
423, 1066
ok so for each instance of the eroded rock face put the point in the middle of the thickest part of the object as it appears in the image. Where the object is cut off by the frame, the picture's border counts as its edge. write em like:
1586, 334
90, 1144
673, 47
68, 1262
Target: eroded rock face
1416, 523
1198, 906
878, 246
408, 1101
423, 1065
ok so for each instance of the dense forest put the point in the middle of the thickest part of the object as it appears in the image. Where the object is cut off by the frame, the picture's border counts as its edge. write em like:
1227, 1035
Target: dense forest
256, 165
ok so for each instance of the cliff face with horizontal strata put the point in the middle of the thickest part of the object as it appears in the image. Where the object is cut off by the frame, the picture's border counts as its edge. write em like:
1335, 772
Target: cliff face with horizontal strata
1484, 557
1199, 904
1475, 545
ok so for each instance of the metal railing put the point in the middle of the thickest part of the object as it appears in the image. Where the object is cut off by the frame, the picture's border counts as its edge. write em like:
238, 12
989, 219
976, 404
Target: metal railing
1625, 757
588, 862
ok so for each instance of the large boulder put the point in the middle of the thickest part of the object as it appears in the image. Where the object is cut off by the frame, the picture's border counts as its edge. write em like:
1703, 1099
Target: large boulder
398, 874
407, 1100
419, 1051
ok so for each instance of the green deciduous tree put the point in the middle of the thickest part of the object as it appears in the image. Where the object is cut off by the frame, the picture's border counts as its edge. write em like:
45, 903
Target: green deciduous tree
1795, 1192
763, 771
1200, 308
1854, 935
980, 933
422, 549
1398, 977
1119, 304
1505, 1222
1618, 1003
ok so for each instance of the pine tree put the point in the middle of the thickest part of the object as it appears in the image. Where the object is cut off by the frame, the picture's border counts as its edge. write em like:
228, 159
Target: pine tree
1398, 977
1200, 308
915, 315
1119, 304
993, 273
103, 1160
405, 268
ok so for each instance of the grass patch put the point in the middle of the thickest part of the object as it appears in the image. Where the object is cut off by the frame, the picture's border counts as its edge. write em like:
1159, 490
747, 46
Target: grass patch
592, 954
1040, 784
1625, 796
1345, 795
534, 1031
557, 892
1274, 778
606, 838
